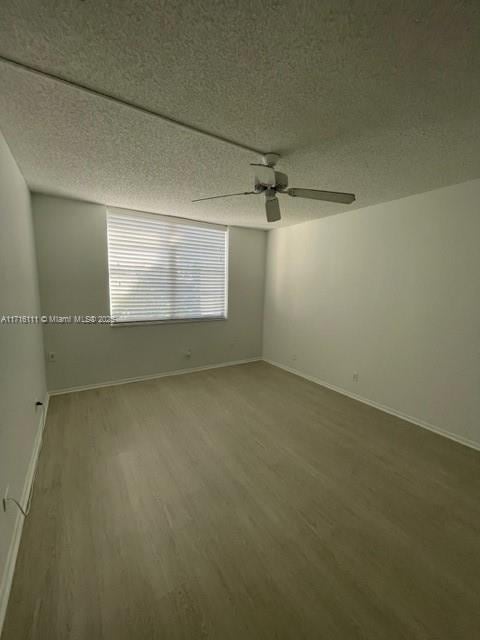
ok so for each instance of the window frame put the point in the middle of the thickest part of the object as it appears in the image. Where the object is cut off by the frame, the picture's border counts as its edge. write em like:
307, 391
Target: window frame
178, 221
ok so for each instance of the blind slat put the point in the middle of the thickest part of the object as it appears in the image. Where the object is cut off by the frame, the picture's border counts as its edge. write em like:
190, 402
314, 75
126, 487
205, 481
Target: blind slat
160, 269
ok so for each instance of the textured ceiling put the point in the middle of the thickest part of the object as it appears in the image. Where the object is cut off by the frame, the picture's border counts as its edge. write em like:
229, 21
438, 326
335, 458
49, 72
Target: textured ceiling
379, 98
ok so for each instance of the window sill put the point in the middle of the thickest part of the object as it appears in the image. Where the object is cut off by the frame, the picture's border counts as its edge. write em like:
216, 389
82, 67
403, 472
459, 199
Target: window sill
145, 323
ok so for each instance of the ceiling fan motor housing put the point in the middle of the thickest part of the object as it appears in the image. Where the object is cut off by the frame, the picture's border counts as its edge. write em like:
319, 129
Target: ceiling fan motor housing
268, 178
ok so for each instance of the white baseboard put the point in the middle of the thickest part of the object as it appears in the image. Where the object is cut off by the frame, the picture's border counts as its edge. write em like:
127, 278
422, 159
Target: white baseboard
9, 569
175, 372
399, 414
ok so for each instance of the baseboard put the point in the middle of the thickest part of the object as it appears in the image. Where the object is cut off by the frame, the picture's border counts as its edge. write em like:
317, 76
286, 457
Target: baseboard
9, 568
416, 421
175, 372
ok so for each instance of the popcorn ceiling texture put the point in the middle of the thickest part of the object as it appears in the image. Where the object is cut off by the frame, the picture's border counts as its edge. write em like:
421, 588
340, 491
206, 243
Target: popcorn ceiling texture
380, 98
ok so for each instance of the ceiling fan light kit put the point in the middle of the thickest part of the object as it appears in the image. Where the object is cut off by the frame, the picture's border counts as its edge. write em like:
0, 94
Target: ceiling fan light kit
271, 182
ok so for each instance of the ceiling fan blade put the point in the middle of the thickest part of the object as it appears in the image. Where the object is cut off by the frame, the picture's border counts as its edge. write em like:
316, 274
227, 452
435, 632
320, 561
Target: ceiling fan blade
272, 208
327, 196
226, 195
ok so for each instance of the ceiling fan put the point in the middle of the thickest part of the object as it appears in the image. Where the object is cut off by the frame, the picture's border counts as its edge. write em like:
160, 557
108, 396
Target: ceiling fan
270, 182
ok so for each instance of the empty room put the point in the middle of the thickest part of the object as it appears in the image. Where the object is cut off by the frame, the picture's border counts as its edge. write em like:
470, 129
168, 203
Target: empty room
239, 320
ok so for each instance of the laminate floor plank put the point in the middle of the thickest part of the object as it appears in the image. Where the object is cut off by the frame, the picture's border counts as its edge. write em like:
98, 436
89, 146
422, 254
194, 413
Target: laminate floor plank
245, 502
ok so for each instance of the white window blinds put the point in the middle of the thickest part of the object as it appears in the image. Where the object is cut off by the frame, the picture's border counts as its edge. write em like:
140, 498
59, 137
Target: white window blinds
165, 269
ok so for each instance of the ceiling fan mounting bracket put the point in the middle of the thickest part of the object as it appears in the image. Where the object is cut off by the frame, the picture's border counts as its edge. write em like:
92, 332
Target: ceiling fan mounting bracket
270, 159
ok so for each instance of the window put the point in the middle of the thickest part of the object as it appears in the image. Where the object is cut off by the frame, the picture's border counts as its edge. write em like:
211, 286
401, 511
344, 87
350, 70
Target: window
164, 269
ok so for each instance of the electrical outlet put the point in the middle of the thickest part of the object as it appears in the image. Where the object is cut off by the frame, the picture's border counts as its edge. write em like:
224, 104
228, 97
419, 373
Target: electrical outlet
355, 376
5, 498
294, 357
188, 353
52, 356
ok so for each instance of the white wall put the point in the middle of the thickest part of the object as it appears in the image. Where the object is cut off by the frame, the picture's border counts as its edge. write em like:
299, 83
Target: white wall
73, 267
22, 373
391, 291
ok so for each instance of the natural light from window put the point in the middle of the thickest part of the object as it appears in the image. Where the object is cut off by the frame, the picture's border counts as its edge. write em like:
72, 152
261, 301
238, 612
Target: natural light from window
162, 269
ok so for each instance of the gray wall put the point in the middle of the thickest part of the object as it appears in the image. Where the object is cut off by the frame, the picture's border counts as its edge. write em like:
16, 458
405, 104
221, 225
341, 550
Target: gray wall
73, 267
390, 291
22, 374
